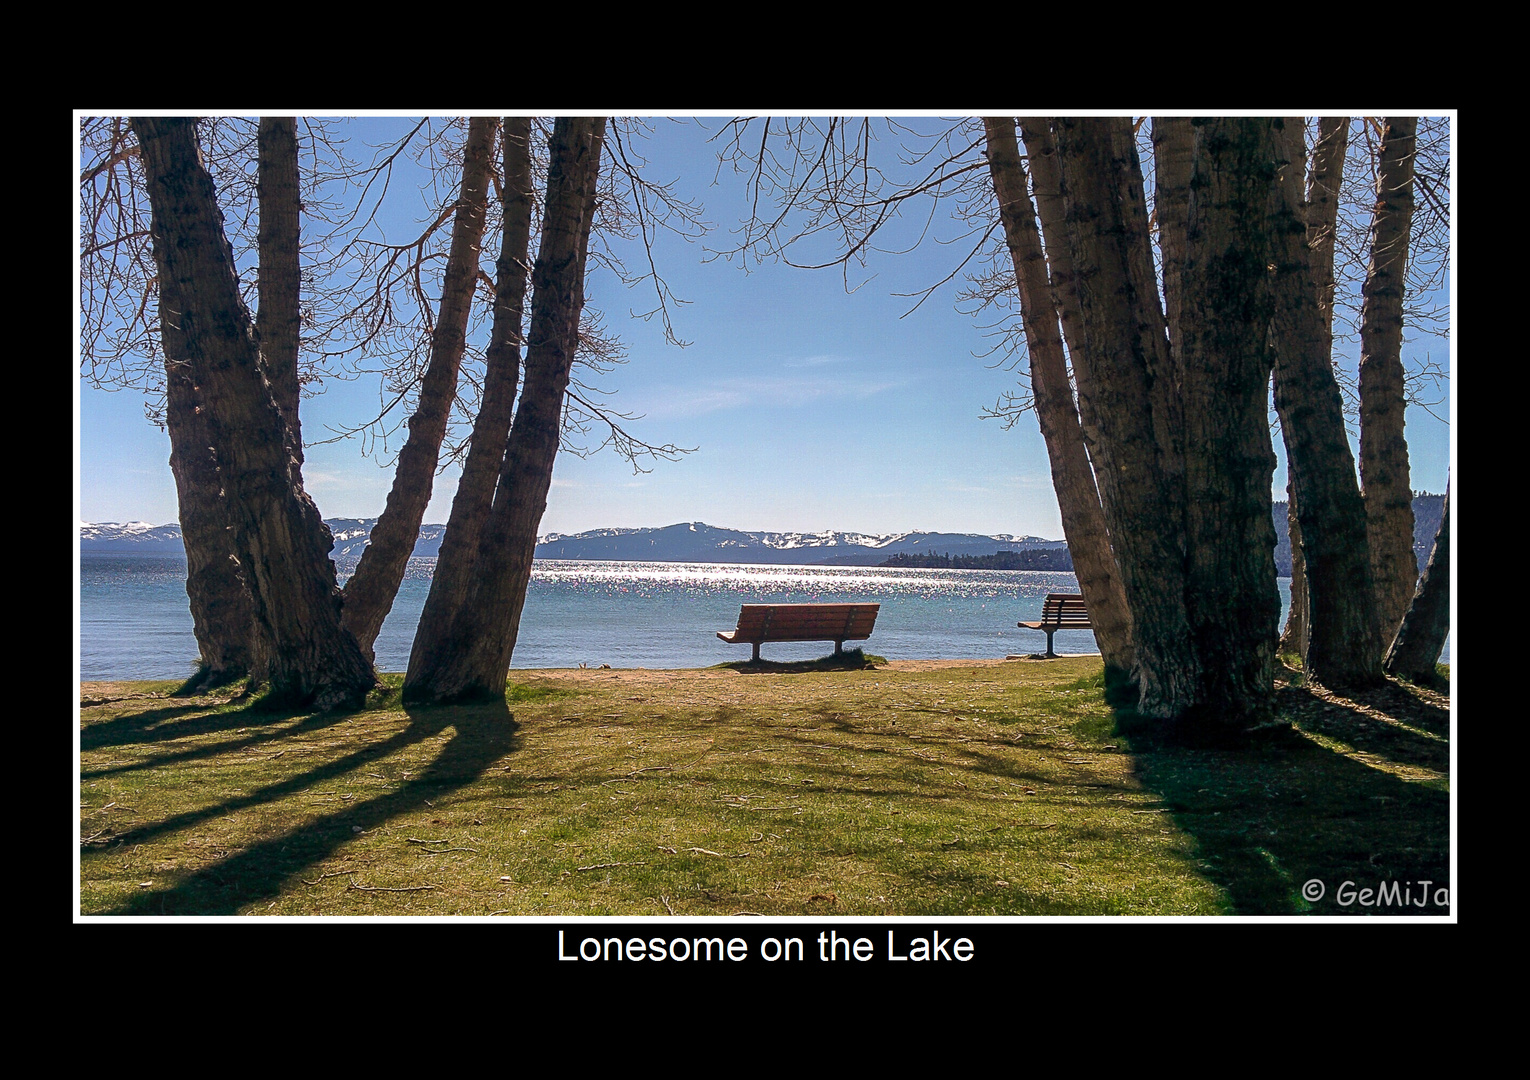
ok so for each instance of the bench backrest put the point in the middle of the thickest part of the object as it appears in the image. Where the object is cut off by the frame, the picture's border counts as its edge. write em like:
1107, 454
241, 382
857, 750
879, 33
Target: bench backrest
1065, 611
805, 622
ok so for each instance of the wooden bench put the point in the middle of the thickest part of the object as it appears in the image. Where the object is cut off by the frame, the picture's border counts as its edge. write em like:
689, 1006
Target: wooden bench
838, 623
1060, 611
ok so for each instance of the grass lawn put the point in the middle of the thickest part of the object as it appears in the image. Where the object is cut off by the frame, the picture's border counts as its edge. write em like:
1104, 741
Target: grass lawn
912, 788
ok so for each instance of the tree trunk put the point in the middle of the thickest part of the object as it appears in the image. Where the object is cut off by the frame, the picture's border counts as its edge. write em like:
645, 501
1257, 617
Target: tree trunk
1077, 498
278, 323
278, 535
1343, 637
370, 592
1323, 185
457, 562
476, 658
221, 613
1383, 446
1173, 169
1046, 181
1124, 378
1293, 639
1417, 647
1231, 599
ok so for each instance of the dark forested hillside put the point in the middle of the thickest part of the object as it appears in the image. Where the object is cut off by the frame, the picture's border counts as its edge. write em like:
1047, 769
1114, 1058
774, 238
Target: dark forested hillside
1427, 510
1054, 559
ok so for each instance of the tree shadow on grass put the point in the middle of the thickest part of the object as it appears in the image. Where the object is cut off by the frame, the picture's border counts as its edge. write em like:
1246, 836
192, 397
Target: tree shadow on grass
174, 722
267, 731
484, 734
1297, 805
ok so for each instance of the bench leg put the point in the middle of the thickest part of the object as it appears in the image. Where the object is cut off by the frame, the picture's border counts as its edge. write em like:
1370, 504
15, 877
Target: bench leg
1050, 654
839, 648
756, 652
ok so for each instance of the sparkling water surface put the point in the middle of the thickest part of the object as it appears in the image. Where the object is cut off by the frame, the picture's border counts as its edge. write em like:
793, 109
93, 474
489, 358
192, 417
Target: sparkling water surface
135, 622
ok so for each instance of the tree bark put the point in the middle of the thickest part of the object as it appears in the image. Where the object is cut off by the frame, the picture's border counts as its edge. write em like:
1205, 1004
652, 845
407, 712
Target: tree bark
370, 592
1416, 649
1343, 635
476, 659
457, 562
1124, 376
1046, 181
278, 323
1173, 169
221, 614
1293, 639
1231, 599
1383, 404
278, 535
1077, 498
1322, 214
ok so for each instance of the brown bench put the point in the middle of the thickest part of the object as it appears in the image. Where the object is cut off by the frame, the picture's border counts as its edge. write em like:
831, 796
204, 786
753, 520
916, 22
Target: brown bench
1060, 611
838, 623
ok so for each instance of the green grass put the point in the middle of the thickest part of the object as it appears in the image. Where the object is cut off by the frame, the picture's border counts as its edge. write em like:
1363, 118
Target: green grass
778, 790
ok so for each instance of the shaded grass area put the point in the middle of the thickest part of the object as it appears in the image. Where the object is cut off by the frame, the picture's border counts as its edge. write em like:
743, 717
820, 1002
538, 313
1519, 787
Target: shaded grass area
777, 789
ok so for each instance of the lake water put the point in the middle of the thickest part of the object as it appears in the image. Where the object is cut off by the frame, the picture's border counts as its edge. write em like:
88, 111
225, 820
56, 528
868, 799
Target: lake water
135, 622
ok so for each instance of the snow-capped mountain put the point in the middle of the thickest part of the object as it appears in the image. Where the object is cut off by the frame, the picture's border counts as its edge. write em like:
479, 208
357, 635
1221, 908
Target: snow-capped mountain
699, 542
135, 537
685, 542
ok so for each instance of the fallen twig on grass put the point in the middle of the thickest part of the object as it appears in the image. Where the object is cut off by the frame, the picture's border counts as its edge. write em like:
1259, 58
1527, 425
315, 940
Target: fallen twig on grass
381, 888
605, 865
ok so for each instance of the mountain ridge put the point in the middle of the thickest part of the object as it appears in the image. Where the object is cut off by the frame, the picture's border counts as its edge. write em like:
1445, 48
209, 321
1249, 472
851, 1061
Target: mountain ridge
696, 541
682, 542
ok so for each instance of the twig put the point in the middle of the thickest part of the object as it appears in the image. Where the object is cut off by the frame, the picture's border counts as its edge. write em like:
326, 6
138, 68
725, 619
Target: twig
665, 901
605, 865
321, 877
380, 888
412, 840
443, 851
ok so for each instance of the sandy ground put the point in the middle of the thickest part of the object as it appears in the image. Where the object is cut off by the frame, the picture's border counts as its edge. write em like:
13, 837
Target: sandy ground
657, 675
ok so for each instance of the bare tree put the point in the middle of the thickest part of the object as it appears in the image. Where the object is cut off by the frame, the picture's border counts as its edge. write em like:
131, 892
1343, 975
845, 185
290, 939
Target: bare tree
1341, 645
1383, 400
1416, 649
367, 306
370, 592
278, 536
472, 659
456, 565
1072, 478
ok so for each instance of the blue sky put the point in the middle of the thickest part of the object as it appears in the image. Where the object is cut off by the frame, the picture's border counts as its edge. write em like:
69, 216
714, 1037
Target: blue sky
810, 408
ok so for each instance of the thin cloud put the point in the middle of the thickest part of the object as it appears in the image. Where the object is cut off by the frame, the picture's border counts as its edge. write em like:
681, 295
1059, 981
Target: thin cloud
781, 392
818, 361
